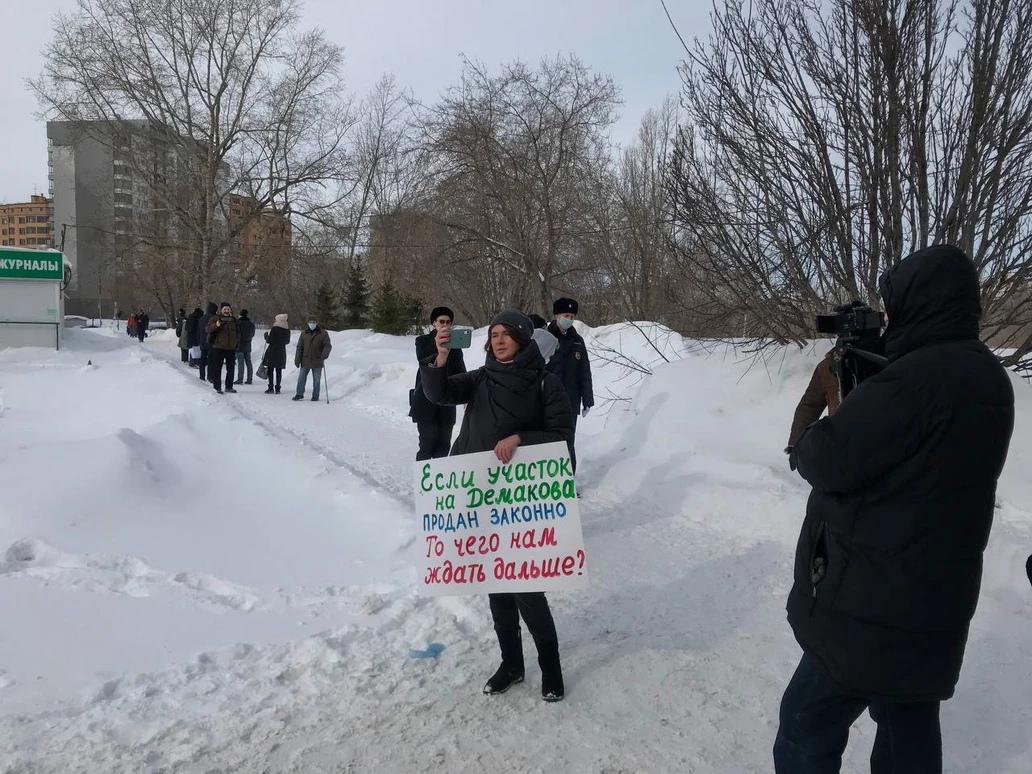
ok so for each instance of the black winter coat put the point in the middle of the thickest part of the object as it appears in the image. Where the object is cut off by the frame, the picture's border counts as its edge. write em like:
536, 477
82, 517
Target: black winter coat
192, 323
276, 355
202, 326
570, 364
245, 333
502, 399
889, 562
420, 407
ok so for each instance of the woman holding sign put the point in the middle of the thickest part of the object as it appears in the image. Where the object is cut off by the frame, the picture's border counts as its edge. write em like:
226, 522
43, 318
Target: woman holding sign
511, 402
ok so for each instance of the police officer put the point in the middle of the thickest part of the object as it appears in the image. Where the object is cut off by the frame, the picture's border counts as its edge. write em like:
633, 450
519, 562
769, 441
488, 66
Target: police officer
570, 363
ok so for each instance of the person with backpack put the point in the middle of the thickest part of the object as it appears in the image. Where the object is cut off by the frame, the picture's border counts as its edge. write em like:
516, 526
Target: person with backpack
313, 347
511, 401
275, 359
434, 423
245, 333
223, 338
202, 339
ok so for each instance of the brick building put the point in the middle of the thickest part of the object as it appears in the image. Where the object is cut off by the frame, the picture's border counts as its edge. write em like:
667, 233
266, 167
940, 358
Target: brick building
27, 224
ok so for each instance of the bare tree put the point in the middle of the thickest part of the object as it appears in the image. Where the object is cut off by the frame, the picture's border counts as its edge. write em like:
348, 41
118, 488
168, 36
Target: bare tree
514, 158
826, 140
203, 99
628, 225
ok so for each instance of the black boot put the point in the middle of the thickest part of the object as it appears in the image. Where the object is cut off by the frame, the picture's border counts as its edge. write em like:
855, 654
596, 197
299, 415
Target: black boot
552, 688
277, 389
269, 391
503, 679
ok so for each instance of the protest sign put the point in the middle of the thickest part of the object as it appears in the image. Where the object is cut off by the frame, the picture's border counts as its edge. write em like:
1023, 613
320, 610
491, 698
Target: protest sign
494, 527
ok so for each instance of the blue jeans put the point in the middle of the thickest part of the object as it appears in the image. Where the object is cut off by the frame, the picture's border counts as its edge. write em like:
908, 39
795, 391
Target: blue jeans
815, 721
302, 381
242, 359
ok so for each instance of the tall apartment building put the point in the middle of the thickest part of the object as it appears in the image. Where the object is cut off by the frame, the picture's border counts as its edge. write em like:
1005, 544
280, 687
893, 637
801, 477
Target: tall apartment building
27, 224
83, 181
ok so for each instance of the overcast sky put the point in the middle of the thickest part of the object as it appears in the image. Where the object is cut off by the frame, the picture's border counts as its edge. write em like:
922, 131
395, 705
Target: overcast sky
420, 41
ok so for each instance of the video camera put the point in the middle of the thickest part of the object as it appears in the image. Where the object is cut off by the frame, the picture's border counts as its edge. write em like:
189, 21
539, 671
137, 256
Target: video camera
857, 353
852, 322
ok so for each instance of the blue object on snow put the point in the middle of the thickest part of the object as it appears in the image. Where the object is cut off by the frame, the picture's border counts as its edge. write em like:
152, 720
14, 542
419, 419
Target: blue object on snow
433, 650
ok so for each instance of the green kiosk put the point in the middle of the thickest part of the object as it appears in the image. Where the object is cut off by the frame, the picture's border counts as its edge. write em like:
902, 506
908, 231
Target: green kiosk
31, 297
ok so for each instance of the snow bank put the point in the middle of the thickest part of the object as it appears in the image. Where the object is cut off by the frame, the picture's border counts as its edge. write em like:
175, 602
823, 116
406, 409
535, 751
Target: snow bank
192, 582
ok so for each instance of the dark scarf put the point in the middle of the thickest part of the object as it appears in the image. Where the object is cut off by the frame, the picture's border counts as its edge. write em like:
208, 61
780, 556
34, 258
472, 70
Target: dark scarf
511, 385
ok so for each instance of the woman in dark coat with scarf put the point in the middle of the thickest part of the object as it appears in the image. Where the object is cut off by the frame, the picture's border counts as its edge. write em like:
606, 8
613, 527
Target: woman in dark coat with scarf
511, 402
275, 359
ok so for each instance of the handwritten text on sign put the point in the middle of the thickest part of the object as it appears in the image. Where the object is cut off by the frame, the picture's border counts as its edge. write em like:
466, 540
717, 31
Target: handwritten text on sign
492, 527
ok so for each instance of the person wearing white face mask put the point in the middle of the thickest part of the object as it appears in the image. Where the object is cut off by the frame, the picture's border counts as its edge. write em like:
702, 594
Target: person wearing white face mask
313, 347
570, 363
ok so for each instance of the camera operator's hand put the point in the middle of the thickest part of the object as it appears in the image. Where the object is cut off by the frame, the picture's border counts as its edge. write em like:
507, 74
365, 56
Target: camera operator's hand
442, 339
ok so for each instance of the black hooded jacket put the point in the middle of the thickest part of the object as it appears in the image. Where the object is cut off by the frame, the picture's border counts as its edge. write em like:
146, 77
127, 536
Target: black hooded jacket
192, 323
889, 561
501, 399
245, 333
202, 326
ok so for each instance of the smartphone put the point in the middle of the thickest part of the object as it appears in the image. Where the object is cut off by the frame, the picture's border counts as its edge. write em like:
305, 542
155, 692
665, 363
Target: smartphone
461, 337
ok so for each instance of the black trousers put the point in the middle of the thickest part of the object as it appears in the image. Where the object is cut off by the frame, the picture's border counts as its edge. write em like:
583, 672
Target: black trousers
184, 354
506, 610
815, 721
278, 373
202, 364
434, 438
218, 357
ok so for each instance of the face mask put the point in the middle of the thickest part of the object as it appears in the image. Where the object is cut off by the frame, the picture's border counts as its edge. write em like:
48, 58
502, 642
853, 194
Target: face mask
565, 323
312, 326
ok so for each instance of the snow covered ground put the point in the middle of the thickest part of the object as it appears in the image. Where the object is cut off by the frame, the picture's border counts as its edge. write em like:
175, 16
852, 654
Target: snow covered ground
199, 583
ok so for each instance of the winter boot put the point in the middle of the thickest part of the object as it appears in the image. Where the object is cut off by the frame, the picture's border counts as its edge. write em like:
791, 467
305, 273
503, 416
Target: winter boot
247, 382
298, 397
277, 389
552, 688
503, 679
269, 391
230, 389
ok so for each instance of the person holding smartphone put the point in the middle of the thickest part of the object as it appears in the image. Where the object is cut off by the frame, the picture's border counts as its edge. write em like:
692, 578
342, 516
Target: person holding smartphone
512, 401
434, 423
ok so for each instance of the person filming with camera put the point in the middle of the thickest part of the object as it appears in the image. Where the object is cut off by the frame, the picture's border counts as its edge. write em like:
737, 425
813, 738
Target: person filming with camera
889, 559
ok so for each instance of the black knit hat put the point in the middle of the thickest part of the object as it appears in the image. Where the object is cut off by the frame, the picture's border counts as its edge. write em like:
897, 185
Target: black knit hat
438, 311
539, 321
225, 303
518, 323
243, 313
564, 306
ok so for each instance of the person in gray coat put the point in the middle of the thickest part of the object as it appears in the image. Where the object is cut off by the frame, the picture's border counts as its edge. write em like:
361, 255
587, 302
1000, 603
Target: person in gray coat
313, 347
